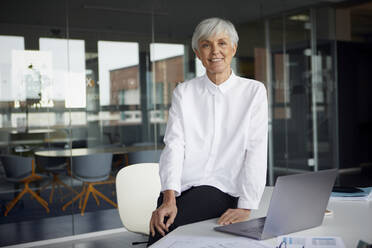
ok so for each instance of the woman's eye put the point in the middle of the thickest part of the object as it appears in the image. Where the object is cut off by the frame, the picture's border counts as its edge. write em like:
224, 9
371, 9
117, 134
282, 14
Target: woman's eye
205, 45
222, 43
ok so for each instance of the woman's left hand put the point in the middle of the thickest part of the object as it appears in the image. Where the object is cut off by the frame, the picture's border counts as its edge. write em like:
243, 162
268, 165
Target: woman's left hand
234, 215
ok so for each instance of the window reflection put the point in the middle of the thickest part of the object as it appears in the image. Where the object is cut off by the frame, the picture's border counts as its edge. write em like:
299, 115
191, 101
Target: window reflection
68, 60
119, 80
168, 70
113, 59
9, 45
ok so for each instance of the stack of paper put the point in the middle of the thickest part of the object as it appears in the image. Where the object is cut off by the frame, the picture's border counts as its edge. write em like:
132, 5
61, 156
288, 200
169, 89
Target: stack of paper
366, 195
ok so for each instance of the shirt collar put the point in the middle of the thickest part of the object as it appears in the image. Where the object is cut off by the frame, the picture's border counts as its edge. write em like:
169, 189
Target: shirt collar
222, 88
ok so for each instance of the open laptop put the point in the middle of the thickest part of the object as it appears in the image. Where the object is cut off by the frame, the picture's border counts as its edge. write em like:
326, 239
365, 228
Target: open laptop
298, 202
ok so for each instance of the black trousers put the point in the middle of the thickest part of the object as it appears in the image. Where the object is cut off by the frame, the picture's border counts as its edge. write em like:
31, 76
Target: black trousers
197, 204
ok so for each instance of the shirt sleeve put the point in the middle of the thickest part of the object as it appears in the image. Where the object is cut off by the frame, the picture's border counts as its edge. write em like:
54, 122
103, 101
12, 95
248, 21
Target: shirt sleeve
172, 157
253, 176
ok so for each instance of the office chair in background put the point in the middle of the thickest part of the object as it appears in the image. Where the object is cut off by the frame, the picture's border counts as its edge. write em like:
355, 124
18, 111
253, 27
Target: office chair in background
146, 156
93, 169
54, 166
21, 170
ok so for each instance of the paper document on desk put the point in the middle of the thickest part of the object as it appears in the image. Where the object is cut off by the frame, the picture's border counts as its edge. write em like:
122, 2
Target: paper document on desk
312, 242
366, 195
236, 244
214, 243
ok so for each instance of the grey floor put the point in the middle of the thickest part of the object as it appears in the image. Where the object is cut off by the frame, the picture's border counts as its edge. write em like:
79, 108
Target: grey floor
117, 240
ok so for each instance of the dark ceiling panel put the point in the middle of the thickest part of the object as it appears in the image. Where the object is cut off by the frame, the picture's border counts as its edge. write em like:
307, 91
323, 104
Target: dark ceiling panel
172, 18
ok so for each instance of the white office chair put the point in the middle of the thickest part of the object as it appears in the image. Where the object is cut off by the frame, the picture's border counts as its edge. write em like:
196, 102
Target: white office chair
137, 189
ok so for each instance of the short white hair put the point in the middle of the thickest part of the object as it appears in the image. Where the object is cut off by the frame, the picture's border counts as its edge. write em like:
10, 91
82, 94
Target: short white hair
213, 26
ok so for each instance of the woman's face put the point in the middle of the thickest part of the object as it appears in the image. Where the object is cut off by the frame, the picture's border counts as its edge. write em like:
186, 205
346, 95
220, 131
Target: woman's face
216, 53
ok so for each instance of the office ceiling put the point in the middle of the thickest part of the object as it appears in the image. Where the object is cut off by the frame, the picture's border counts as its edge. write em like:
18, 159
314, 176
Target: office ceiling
171, 19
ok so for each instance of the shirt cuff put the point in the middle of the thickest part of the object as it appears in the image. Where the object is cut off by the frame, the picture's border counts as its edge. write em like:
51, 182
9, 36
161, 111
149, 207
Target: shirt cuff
172, 186
248, 204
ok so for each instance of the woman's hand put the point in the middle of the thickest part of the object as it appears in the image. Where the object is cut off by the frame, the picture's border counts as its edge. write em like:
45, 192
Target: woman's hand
234, 215
167, 209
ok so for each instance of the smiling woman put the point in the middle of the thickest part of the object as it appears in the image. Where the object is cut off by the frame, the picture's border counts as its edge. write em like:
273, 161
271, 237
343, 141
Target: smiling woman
206, 169
216, 54
215, 42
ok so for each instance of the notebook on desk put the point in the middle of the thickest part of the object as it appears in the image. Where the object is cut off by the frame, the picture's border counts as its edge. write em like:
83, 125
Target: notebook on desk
298, 202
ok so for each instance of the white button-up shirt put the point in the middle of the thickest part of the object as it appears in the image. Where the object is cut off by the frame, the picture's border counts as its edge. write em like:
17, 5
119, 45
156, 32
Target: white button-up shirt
217, 136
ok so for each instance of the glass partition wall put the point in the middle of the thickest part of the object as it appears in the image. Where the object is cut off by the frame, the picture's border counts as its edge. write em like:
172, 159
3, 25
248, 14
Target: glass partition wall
69, 92
303, 92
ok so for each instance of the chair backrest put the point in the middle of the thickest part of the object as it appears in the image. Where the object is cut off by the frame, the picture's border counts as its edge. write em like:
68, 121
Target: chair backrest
50, 163
146, 156
92, 167
137, 189
16, 167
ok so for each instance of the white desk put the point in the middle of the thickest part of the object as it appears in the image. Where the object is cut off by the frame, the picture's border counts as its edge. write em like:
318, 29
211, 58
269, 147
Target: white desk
352, 221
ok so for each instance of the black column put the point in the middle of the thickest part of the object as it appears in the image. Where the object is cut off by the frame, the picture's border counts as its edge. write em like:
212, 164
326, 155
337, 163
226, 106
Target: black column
144, 72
